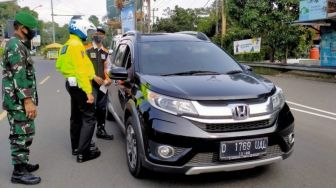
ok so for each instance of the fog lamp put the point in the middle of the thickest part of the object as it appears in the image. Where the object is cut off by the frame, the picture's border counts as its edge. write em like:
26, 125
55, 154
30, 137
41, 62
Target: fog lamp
166, 151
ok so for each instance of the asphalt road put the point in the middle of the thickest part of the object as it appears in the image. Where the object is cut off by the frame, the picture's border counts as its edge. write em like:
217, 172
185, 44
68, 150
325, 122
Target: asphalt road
311, 165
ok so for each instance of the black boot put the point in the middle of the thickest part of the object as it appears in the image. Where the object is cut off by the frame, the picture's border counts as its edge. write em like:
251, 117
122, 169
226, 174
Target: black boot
22, 176
32, 167
90, 155
101, 133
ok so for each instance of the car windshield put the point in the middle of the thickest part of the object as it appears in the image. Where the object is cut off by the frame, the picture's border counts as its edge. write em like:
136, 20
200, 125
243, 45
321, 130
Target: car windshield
184, 57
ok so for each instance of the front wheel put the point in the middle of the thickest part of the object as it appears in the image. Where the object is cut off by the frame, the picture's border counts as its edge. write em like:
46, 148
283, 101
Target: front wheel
132, 150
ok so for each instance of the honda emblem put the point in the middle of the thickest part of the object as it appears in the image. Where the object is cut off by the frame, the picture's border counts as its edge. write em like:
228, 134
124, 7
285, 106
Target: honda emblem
240, 112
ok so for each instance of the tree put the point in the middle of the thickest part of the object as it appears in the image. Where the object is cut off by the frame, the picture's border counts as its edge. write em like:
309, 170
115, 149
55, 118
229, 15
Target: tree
179, 20
95, 20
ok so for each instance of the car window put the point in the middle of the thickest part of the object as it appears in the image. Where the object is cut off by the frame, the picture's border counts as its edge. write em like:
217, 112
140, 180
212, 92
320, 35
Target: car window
169, 57
118, 61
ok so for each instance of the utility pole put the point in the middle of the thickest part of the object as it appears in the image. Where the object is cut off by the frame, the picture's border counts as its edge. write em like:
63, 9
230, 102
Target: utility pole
224, 11
52, 18
153, 14
149, 16
135, 14
217, 16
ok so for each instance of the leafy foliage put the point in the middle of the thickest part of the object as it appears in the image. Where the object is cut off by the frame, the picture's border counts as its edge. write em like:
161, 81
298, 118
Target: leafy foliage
269, 19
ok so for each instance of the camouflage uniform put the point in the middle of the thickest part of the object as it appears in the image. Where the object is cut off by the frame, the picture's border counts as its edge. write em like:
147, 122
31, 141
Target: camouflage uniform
18, 83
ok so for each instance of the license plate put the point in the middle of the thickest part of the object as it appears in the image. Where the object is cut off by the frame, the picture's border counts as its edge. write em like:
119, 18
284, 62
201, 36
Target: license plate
238, 149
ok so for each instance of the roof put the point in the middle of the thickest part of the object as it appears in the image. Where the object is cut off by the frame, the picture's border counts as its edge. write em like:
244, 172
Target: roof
53, 45
168, 37
155, 37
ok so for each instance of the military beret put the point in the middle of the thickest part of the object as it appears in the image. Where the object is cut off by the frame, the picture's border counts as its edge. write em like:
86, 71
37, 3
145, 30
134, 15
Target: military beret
26, 19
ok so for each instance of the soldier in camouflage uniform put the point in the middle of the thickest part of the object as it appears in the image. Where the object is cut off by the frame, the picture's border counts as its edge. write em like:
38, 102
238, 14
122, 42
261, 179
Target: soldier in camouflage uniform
20, 97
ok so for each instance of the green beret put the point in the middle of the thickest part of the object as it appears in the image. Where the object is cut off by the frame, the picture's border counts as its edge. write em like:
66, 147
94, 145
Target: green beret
26, 19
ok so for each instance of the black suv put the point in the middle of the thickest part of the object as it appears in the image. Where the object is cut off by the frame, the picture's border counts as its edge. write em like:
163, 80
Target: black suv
186, 106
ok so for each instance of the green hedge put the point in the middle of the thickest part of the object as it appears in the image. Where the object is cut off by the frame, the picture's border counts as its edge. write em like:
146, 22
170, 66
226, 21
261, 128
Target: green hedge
1, 52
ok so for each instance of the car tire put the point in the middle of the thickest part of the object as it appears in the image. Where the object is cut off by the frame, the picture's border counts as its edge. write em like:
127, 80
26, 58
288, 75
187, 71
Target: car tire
132, 150
109, 116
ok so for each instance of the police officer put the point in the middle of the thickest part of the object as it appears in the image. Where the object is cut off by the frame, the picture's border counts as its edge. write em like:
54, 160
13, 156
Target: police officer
20, 97
99, 57
78, 70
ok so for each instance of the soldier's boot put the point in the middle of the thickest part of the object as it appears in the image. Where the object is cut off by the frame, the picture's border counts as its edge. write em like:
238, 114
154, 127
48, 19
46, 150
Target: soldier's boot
101, 133
22, 176
32, 167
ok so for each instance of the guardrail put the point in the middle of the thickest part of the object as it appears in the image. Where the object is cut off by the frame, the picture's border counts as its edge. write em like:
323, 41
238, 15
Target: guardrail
290, 67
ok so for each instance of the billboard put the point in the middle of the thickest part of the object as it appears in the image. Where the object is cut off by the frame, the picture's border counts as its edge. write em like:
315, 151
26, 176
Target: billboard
127, 18
113, 11
313, 10
328, 47
247, 46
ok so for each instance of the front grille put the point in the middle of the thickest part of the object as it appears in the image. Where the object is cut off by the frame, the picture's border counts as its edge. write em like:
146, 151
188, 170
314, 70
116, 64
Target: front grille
231, 127
213, 158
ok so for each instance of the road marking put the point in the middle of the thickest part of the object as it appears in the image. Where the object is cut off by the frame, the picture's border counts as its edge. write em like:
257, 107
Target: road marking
44, 80
3, 115
315, 114
316, 109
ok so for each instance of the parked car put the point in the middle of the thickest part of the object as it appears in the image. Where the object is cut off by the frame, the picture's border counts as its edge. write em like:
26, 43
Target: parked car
186, 106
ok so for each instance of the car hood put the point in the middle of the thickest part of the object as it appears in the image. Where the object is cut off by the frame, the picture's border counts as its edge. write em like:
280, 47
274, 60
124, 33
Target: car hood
210, 87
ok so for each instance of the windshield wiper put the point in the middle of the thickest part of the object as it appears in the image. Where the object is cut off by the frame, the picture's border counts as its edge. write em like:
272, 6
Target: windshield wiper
192, 73
234, 72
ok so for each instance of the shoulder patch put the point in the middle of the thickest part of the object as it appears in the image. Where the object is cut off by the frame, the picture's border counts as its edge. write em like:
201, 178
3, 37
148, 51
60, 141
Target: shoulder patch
64, 49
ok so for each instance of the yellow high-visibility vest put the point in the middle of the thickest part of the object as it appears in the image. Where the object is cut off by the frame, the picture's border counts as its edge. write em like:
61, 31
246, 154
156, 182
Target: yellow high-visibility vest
73, 62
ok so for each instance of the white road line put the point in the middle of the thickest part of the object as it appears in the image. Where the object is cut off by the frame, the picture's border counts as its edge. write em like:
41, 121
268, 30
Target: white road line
316, 109
44, 80
315, 114
3, 115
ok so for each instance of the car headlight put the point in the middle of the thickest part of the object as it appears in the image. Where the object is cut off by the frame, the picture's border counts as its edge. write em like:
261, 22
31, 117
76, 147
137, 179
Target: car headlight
278, 99
171, 105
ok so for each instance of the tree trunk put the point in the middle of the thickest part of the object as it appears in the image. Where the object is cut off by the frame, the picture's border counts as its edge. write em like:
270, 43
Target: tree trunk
272, 54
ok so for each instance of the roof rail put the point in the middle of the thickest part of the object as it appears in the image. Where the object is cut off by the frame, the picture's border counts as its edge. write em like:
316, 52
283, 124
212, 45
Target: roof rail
136, 34
199, 35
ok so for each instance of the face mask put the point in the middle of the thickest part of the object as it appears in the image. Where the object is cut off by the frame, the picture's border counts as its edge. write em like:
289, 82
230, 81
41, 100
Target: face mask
30, 35
97, 39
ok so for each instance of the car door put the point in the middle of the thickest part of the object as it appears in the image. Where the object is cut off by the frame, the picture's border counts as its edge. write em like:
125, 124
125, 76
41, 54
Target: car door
115, 91
126, 86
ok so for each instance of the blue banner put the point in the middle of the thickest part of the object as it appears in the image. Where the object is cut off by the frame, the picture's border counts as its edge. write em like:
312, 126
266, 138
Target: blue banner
127, 18
313, 9
328, 46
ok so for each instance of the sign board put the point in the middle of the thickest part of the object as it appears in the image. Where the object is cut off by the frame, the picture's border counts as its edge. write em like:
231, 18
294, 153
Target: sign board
36, 41
313, 10
247, 46
52, 54
328, 46
127, 18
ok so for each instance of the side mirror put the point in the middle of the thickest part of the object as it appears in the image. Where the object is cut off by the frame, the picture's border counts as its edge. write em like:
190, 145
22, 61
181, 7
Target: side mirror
246, 67
118, 73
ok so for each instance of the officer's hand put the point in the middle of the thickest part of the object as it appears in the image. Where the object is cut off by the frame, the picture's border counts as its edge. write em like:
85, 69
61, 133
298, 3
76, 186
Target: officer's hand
30, 108
107, 82
90, 98
98, 80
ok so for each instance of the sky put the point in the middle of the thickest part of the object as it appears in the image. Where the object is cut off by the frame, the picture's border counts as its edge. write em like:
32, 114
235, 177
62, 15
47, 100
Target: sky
96, 7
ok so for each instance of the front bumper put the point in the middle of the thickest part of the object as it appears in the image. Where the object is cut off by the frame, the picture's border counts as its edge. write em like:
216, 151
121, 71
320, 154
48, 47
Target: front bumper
198, 150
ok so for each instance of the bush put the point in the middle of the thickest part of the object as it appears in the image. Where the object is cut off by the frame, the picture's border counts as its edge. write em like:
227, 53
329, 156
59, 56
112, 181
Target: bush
1, 52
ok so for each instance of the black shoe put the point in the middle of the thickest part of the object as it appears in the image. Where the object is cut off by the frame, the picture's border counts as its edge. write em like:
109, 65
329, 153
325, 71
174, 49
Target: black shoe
101, 133
89, 156
22, 176
75, 152
32, 167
